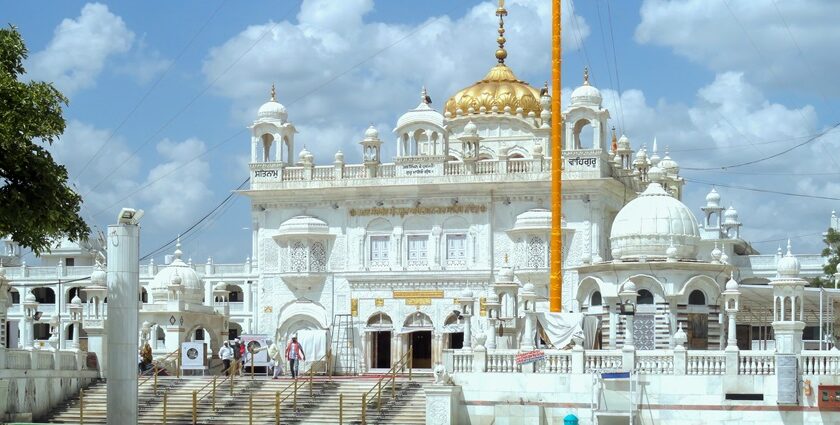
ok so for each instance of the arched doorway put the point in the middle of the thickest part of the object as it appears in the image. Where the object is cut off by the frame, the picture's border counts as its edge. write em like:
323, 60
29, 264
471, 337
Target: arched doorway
379, 329
234, 330
417, 329
453, 331
697, 329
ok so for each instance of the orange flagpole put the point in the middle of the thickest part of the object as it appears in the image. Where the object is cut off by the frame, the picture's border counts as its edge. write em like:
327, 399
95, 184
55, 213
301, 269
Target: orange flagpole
555, 292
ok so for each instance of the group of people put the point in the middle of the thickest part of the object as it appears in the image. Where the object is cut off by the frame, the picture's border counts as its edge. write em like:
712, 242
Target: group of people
234, 358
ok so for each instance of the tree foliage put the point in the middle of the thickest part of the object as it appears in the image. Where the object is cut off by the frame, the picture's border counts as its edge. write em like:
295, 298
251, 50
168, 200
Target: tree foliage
37, 206
831, 252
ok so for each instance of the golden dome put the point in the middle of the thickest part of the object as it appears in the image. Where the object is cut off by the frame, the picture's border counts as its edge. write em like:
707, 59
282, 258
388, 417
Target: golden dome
499, 88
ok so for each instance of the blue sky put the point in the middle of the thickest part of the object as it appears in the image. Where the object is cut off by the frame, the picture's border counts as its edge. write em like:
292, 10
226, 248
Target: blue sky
163, 91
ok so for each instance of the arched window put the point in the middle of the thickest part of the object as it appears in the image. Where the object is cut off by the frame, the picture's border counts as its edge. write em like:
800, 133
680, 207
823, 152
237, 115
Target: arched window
644, 297
144, 295
15, 296
379, 320
596, 298
44, 295
236, 294
696, 297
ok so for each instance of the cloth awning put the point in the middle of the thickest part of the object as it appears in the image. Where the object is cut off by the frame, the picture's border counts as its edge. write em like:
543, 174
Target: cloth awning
378, 329
558, 329
410, 329
453, 328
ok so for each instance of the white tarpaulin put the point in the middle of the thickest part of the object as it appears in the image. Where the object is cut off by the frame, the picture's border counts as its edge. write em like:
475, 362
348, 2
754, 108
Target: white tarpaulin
559, 328
313, 342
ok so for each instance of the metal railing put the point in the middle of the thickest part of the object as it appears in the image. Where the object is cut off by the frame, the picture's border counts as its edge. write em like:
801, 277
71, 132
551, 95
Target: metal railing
156, 369
403, 363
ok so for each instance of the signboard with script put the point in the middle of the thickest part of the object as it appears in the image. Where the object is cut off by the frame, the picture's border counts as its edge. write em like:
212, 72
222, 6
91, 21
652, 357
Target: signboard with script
530, 357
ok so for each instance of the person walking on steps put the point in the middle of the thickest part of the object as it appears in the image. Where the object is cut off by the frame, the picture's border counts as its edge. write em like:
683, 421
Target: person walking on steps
237, 355
226, 354
294, 354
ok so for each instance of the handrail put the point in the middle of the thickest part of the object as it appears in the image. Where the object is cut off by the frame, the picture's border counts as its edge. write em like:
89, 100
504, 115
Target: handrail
155, 369
230, 371
391, 375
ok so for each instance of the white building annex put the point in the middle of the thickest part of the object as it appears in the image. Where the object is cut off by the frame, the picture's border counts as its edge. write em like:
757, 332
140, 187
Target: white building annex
443, 250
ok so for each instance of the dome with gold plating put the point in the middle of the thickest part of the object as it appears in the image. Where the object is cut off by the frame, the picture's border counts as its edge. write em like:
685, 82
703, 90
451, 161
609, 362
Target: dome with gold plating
499, 88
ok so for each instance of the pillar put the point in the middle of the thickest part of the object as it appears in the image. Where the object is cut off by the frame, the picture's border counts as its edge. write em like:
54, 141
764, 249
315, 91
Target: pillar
467, 330
122, 324
731, 340
491, 332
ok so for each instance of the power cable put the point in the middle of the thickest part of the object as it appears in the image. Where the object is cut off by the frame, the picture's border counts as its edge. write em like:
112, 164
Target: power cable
755, 161
149, 91
313, 90
755, 189
189, 104
616, 101
193, 226
615, 62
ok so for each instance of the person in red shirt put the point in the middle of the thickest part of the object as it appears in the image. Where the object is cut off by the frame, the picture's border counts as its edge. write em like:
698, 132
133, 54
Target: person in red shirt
294, 353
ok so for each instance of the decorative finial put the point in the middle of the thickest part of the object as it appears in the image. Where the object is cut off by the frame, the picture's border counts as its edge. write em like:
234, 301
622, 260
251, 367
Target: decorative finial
178, 247
501, 12
789, 252
273, 93
585, 75
544, 90
424, 97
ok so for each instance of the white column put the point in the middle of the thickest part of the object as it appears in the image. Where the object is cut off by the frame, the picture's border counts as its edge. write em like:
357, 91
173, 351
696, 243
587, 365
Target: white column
628, 331
27, 332
491, 332
613, 331
528, 335
121, 326
732, 340
467, 330
77, 328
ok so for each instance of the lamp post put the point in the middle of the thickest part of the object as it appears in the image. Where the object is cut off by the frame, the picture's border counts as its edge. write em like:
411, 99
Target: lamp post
76, 318
30, 313
731, 302
54, 331
627, 296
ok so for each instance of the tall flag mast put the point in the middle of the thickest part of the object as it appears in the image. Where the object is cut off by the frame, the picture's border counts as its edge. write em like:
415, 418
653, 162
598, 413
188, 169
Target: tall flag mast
555, 289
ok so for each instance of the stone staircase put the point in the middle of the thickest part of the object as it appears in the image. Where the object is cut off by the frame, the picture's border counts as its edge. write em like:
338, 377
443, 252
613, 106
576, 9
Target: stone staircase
407, 406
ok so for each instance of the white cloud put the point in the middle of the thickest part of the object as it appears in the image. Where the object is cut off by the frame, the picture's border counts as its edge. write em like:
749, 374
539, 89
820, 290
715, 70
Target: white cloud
79, 48
756, 42
178, 188
306, 58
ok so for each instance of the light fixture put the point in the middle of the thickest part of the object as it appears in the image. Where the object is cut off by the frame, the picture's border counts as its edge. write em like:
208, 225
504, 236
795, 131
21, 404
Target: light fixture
129, 216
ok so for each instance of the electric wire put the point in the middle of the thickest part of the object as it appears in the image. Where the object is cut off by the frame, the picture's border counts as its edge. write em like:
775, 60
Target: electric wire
760, 190
308, 93
615, 63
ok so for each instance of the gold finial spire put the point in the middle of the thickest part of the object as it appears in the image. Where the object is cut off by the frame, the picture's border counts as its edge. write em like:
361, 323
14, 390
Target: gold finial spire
501, 12
273, 93
585, 75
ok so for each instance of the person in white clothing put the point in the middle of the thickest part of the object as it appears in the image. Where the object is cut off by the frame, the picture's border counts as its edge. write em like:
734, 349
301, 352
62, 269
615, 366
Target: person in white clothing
276, 356
226, 354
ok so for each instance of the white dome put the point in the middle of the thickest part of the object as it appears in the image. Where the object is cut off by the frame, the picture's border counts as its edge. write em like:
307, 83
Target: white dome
422, 114
303, 225
29, 298
221, 286
98, 277
528, 287
669, 165
177, 273
505, 275
713, 198
647, 225
730, 216
470, 129
76, 300
623, 143
535, 219
788, 265
732, 285
586, 95
304, 153
371, 133
272, 110
466, 293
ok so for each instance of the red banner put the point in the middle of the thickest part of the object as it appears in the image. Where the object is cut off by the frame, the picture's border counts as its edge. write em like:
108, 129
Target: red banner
530, 357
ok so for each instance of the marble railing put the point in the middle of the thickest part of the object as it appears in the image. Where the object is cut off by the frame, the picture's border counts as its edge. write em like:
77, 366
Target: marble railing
462, 361
47, 272
820, 362
502, 361
278, 172
647, 362
655, 362
706, 362
756, 362
598, 360
17, 359
556, 361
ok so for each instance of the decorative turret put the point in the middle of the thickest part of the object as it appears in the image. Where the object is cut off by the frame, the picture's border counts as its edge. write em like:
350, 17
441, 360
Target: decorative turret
272, 135
788, 304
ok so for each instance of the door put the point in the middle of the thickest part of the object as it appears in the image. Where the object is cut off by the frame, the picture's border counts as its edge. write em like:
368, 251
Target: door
698, 331
421, 346
380, 350
456, 340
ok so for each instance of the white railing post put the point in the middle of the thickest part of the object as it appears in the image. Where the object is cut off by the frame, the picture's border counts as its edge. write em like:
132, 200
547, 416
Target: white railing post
577, 359
680, 360
731, 360
479, 359
628, 358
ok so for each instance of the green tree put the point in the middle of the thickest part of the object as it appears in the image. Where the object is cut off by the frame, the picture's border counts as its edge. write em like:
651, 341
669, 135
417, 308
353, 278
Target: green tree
36, 204
832, 254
